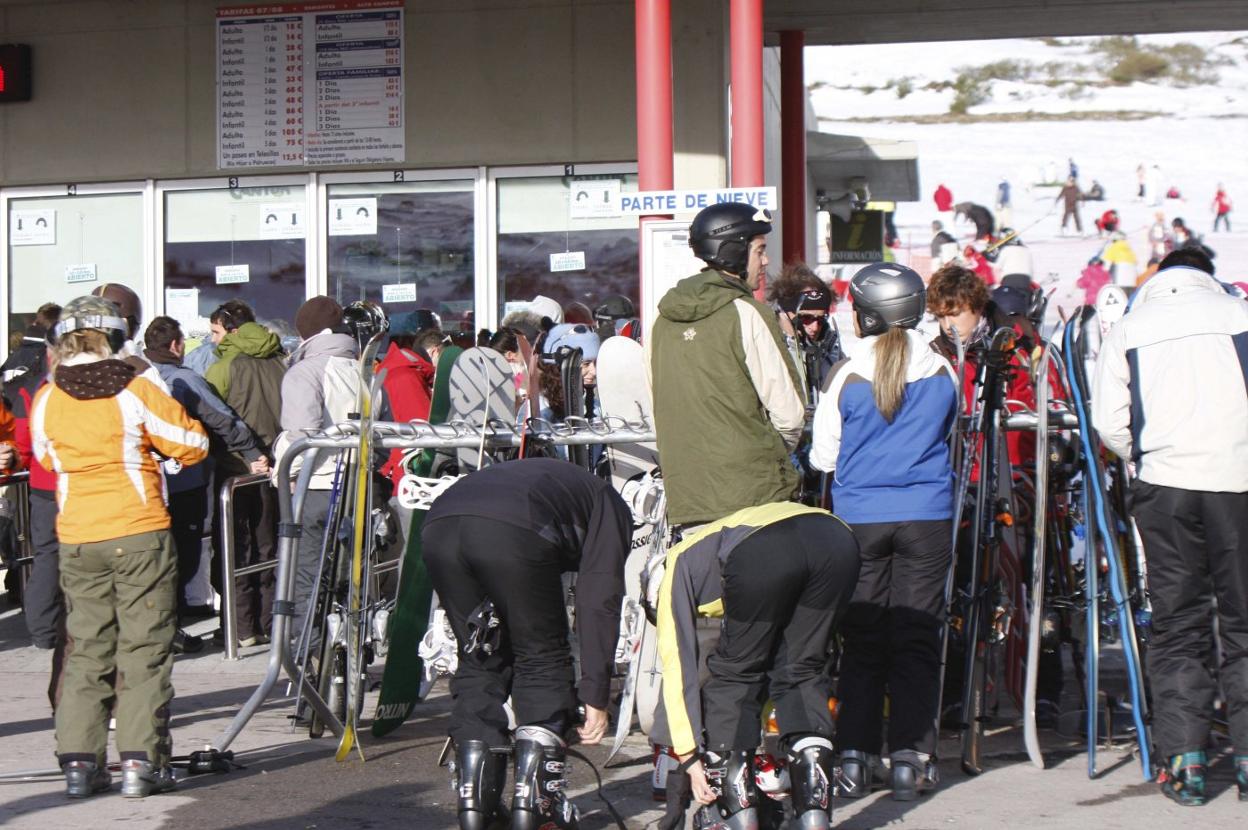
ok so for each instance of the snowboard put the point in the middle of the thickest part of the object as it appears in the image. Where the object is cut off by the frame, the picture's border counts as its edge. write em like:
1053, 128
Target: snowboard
1035, 621
362, 541
1105, 527
623, 395
402, 680
483, 391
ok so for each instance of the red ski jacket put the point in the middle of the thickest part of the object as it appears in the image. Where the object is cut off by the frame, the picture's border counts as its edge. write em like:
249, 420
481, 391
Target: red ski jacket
409, 388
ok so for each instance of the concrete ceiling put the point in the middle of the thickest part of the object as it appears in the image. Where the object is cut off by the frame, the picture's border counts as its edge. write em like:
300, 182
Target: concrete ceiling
836, 22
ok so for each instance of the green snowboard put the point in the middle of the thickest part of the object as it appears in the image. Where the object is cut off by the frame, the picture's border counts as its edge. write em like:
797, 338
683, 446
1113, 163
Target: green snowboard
403, 677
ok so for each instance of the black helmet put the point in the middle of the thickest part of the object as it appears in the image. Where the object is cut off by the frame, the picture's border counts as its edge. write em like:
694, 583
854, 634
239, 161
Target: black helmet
887, 294
615, 307
365, 320
1011, 300
720, 234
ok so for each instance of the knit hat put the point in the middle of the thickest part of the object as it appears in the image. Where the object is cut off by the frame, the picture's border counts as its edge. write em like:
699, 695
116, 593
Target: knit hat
316, 315
546, 307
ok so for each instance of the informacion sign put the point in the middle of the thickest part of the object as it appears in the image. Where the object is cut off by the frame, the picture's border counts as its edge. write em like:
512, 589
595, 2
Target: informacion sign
281, 221
353, 217
567, 261
182, 304
32, 227
231, 274
85, 272
861, 239
310, 83
666, 260
594, 199
659, 202
399, 293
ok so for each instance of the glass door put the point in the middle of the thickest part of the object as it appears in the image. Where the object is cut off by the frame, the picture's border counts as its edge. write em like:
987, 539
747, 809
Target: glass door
407, 241
248, 241
63, 242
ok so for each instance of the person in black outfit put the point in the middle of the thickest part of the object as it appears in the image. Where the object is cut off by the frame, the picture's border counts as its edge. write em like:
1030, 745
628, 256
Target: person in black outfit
496, 545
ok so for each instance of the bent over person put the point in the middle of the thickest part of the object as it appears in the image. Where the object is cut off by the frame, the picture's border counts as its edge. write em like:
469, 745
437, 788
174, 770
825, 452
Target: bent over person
780, 575
98, 427
497, 544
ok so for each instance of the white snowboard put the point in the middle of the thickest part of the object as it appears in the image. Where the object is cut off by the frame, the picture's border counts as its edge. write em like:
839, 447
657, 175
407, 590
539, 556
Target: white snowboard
483, 391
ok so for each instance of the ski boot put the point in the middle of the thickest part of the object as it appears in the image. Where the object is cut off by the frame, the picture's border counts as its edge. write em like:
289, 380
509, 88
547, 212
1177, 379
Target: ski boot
811, 777
479, 775
539, 800
859, 774
1241, 776
139, 779
85, 778
731, 776
1183, 779
913, 774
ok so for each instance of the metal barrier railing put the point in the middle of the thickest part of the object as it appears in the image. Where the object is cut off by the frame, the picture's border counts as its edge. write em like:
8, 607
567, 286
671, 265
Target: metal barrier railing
414, 435
229, 572
19, 498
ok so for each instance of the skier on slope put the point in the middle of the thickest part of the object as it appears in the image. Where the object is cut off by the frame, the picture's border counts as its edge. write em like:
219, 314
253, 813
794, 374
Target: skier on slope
496, 545
979, 215
782, 574
883, 428
1182, 343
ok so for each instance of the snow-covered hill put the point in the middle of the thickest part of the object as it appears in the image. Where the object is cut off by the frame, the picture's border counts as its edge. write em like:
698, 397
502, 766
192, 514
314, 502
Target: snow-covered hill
1029, 105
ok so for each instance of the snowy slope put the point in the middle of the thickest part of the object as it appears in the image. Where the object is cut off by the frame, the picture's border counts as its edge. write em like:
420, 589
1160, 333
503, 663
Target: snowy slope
1198, 137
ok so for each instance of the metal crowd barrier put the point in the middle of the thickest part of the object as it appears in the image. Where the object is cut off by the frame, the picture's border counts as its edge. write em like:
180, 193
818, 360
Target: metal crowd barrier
229, 572
19, 499
387, 435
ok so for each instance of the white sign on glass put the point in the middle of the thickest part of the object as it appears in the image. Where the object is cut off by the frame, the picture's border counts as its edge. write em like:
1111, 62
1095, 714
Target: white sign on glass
80, 273
281, 221
231, 274
594, 199
32, 227
182, 304
353, 217
399, 293
567, 261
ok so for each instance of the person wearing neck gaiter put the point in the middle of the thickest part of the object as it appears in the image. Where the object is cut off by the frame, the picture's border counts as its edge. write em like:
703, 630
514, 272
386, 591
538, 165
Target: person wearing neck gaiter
98, 426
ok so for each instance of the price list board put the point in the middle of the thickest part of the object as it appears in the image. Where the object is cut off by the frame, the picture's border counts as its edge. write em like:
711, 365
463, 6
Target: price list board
310, 84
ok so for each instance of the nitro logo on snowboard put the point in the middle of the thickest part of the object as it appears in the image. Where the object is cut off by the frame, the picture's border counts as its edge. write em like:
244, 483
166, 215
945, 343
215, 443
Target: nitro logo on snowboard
690, 333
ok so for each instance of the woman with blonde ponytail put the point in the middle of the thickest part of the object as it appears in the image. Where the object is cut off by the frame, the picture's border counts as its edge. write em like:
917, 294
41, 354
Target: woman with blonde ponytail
882, 428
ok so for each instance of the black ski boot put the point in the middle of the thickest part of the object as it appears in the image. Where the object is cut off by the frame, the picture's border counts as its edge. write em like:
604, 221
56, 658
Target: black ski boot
1183, 779
479, 777
810, 776
858, 775
539, 800
731, 776
1241, 776
913, 774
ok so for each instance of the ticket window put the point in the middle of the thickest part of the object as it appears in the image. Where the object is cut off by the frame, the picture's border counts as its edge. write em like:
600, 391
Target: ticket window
63, 247
406, 245
573, 218
246, 243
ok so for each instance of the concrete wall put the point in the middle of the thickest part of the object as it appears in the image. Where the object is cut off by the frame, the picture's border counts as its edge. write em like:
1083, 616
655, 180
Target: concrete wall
125, 89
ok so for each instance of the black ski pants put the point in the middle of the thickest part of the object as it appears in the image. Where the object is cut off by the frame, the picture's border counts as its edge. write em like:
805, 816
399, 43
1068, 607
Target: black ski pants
785, 588
42, 601
1196, 547
471, 559
188, 513
892, 635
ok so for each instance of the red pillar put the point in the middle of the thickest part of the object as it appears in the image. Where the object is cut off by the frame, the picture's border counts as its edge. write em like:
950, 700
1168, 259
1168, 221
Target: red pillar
654, 94
653, 49
793, 145
746, 47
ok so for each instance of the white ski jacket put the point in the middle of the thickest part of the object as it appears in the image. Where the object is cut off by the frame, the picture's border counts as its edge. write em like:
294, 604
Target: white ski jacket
320, 389
1170, 388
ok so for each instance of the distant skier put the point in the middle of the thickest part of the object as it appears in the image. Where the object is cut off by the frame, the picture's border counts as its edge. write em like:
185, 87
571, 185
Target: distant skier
1096, 193
1005, 208
943, 198
496, 544
1069, 196
944, 246
1107, 223
980, 215
1221, 209
1159, 241
1073, 169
